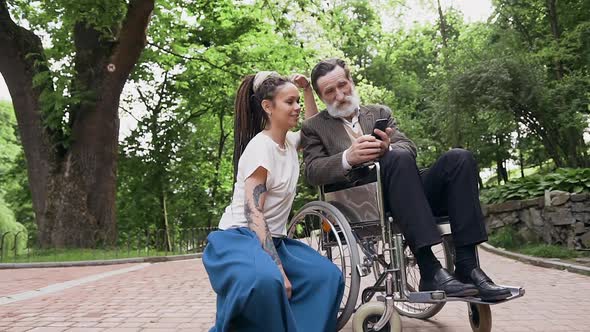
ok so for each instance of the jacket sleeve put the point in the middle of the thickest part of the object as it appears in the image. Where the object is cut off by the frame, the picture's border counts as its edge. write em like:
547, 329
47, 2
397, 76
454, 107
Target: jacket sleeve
398, 138
320, 168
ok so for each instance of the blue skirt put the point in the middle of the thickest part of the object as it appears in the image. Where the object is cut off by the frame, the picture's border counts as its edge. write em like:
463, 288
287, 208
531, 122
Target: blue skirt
250, 289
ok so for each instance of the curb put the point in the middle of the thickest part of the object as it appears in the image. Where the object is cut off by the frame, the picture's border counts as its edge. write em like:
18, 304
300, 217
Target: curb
152, 259
538, 261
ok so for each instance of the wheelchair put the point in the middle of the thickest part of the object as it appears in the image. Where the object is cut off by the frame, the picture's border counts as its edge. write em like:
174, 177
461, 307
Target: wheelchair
349, 226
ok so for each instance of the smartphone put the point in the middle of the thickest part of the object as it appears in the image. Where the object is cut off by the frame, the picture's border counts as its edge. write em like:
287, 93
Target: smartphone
380, 124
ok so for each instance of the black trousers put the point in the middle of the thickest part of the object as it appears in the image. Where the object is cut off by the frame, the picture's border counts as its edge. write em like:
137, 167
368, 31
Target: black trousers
449, 187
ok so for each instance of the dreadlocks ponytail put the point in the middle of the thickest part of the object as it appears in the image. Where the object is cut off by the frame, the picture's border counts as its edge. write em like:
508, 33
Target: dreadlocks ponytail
249, 117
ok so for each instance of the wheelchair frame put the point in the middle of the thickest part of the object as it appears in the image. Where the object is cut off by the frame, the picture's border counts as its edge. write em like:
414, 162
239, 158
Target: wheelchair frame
360, 225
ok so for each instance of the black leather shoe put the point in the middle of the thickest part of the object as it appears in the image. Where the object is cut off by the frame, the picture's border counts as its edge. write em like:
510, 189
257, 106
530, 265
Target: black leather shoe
444, 281
488, 291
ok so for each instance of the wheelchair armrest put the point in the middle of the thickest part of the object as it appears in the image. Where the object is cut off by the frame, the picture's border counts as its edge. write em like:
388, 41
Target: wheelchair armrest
358, 176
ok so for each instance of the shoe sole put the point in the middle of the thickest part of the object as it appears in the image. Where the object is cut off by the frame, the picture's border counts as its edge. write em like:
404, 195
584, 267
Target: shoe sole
463, 293
494, 298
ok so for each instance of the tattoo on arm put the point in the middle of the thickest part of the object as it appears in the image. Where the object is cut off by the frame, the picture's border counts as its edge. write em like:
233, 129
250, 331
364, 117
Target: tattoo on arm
258, 191
269, 247
256, 222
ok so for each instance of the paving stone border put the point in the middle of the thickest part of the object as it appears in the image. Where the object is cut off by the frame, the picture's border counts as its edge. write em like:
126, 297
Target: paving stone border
538, 261
152, 259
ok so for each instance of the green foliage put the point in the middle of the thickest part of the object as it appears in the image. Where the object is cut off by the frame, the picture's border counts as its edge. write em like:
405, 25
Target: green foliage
181, 150
490, 87
570, 180
74, 255
63, 26
11, 232
549, 251
9, 145
507, 238
15, 197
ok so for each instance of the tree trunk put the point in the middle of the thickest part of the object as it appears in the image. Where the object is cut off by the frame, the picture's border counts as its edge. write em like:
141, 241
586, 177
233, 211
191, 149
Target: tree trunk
479, 179
504, 171
554, 22
575, 147
500, 168
442, 25
216, 182
168, 244
501, 171
73, 179
546, 132
18, 71
520, 157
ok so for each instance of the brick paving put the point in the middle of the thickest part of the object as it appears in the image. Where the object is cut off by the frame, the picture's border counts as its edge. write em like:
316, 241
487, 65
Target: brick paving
176, 296
20, 280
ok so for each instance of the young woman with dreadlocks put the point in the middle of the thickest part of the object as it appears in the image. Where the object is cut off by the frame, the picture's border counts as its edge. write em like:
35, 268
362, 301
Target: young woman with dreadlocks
263, 280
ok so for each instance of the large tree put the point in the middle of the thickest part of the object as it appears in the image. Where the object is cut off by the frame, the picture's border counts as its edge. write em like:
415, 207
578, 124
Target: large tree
66, 98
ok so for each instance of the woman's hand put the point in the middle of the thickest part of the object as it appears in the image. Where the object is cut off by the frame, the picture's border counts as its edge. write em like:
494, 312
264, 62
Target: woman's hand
288, 286
301, 82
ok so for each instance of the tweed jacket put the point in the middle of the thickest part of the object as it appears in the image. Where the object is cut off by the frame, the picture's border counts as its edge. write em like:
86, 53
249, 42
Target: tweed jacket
324, 139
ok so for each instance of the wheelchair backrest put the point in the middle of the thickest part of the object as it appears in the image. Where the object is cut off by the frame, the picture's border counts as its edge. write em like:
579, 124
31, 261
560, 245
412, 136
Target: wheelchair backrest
359, 204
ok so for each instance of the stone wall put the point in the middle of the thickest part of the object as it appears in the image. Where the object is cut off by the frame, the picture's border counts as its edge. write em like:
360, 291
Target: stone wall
557, 218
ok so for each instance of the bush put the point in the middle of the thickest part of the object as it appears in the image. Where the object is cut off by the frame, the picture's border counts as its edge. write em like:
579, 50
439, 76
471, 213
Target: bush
573, 180
9, 226
506, 237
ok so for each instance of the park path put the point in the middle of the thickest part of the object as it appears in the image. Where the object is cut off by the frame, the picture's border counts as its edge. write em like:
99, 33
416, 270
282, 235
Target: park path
176, 296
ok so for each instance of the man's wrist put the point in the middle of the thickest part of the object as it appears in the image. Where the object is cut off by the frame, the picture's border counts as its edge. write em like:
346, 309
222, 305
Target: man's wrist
345, 164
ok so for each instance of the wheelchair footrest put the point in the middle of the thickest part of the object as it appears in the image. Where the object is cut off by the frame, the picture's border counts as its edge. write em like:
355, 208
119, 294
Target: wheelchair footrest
425, 297
516, 292
440, 296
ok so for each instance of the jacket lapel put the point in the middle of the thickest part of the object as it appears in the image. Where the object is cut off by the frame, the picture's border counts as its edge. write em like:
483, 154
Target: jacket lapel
367, 120
335, 128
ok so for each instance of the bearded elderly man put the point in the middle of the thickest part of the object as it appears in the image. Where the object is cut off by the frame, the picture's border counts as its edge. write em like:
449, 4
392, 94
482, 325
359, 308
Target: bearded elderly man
337, 140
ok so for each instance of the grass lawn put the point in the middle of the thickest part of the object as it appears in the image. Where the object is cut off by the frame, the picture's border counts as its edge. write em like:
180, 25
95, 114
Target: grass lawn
508, 239
70, 255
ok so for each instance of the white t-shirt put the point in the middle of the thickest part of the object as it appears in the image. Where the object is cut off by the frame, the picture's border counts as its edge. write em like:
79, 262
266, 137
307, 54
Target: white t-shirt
282, 166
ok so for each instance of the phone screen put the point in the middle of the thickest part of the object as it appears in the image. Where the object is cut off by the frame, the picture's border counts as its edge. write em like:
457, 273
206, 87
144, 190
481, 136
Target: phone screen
380, 124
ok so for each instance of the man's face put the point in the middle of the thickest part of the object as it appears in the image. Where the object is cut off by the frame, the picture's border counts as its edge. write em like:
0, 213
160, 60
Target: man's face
338, 93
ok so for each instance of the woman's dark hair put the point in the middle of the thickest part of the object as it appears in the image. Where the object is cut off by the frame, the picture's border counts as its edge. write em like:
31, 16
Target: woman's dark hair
249, 117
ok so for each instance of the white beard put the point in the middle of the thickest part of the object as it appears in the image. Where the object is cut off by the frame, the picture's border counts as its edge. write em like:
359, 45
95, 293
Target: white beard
346, 110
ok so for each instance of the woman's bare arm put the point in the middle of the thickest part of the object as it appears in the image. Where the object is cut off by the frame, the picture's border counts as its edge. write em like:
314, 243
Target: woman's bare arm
255, 187
253, 209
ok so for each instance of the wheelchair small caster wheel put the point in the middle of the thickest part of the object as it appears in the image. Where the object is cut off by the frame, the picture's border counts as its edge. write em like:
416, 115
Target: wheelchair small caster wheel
369, 313
480, 317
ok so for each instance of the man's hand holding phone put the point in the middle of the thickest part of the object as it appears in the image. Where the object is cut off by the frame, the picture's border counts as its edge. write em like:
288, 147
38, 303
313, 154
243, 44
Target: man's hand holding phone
384, 138
364, 149
370, 147
382, 133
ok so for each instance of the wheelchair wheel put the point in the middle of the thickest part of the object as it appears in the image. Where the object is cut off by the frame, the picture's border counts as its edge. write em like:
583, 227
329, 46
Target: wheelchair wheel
324, 228
480, 317
445, 254
369, 313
